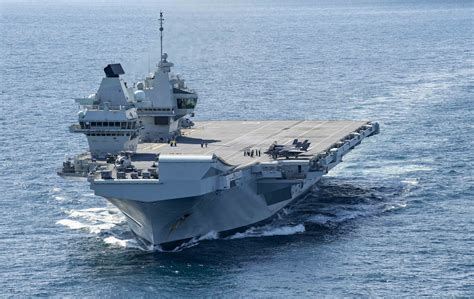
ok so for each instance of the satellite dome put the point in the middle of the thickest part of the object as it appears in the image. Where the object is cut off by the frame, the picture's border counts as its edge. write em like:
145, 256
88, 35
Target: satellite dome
139, 95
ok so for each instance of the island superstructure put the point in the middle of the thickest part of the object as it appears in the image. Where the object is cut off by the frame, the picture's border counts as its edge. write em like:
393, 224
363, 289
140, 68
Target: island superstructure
153, 110
175, 180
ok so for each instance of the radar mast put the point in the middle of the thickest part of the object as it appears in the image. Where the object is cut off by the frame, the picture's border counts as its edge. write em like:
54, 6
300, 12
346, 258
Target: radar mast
161, 35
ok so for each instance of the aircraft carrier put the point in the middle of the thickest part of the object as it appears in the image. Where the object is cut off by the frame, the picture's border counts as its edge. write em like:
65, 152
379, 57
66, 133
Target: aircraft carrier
175, 179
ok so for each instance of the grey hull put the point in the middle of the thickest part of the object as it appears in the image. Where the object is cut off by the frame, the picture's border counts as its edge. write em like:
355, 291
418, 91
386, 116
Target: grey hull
170, 222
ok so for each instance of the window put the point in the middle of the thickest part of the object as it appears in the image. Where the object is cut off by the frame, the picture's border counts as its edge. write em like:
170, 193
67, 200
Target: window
94, 124
186, 103
117, 124
161, 120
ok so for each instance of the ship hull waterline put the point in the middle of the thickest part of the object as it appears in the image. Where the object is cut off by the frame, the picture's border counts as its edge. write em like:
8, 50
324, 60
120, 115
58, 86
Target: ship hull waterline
168, 224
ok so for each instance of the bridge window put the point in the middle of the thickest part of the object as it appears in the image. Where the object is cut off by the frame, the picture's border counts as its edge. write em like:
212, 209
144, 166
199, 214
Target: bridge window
186, 103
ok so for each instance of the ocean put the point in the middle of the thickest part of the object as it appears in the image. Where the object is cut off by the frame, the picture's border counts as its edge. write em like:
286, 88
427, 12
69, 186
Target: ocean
395, 219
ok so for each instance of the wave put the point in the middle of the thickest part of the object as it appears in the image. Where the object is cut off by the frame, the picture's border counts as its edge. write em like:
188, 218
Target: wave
191, 243
93, 220
330, 204
92, 228
124, 243
59, 198
269, 231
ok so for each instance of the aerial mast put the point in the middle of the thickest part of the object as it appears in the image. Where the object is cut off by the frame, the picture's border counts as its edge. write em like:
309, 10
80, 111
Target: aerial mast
161, 35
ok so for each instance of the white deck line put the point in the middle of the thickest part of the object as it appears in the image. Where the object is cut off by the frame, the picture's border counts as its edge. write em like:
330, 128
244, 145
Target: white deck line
256, 145
343, 128
302, 134
233, 141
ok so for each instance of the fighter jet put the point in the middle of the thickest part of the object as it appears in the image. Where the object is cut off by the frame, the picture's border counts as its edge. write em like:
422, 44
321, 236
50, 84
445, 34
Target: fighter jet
279, 150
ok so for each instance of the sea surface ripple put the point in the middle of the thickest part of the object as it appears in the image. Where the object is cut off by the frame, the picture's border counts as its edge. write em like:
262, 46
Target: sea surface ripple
396, 218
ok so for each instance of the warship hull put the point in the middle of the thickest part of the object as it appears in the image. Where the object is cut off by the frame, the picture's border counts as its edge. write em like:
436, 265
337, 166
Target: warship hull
218, 188
168, 223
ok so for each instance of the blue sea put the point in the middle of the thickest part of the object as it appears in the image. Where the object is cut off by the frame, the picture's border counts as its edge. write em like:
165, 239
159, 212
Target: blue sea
395, 219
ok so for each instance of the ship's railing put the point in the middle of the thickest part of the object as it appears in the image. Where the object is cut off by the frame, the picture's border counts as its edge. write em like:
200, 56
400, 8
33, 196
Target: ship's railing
158, 111
105, 107
129, 174
76, 128
333, 153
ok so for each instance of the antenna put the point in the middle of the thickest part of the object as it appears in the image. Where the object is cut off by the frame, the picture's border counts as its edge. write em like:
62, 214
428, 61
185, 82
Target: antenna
161, 35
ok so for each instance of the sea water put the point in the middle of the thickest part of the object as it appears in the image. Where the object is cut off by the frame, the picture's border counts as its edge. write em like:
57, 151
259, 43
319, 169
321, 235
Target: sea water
394, 219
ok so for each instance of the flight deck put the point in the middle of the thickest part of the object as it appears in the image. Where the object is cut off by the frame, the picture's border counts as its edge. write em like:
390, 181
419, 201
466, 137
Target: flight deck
232, 140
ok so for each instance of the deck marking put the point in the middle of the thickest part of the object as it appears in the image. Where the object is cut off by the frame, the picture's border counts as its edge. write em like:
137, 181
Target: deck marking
259, 158
241, 136
266, 141
230, 150
155, 147
331, 135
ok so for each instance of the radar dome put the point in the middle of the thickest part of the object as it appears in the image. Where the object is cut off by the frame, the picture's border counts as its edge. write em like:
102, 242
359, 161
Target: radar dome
139, 95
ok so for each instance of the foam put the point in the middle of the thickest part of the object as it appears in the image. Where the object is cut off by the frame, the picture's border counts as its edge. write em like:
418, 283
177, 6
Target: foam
92, 228
320, 219
212, 235
395, 206
125, 243
268, 231
97, 215
412, 182
93, 220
